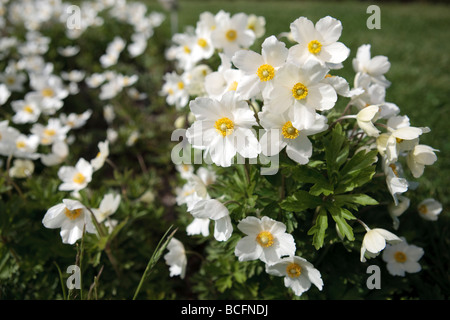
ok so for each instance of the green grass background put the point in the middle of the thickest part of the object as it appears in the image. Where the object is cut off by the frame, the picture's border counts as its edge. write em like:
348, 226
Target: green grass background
413, 35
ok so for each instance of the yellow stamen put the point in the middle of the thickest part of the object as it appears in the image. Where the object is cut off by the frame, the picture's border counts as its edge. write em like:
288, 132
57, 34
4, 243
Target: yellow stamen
265, 239
79, 178
394, 169
202, 42
400, 257
73, 214
47, 92
180, 85
231, 35
423, 209
314, 47
224, 126
289, 131
187, 49
20, 144
49, 132
299, 91
293, 270
233, 86
399, 140
266, 72
28, 109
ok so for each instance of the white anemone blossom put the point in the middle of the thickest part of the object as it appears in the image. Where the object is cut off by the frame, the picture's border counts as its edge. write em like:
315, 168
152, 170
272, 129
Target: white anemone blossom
302, 89
266, 239
214, 210
281, 133
176, 258
374, 67
402, 258
298, 274
259, 69
318, 42
223, 129
72, 217
375, 241
75, 178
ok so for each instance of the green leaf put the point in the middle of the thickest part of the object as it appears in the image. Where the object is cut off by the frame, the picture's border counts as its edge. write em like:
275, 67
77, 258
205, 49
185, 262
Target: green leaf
360, 160
334, 156
362, 199
299, 201
319, 228
355, 180
339, 215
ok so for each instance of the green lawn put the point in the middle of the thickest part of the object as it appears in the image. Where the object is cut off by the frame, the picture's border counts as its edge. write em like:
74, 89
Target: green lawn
413, 36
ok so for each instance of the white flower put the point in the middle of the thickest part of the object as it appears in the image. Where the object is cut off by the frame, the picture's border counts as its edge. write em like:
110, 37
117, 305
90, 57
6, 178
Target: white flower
59, 153
223, 128
72, 217
419, 157
395, 180
50, 90
301, 88
365, 119
214, 210
68, 51
257, 24
259, 69
266, 240
429, 209
21, 168
8, 136
4, 94
176, 258
75, 178
374, 67
108, 206
298, 274
400, 140
375, 241
26, 146
186, 170
396, 210
101, 156
175, 90
281, 133
224, 80
231, 33
26, 111
95, 80
75, 121
402, 257
319, 42
50, 133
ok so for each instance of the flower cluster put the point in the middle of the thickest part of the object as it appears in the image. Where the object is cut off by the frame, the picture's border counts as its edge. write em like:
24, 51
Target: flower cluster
36, 95
289, 92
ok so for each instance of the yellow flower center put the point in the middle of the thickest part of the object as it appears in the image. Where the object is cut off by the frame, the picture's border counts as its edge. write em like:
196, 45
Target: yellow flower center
293, 270
49, 132
231, 35
299, 91
224, 126
265, 239
314, 47
73, 214
266, 72
289, 131
400, 257
202, 42
233, 86
20, 145
186, 49
47, 92
28, 109
79, 178
180, 85
423, 209
399, 140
